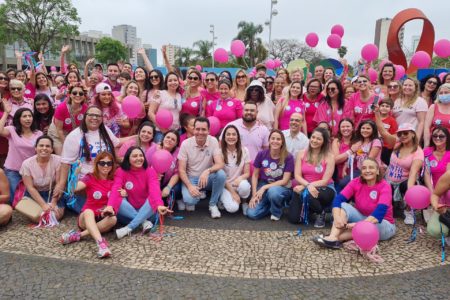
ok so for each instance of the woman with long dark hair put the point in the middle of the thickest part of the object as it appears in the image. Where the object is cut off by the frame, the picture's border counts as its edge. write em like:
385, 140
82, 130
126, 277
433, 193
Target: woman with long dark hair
429, 85
43, 112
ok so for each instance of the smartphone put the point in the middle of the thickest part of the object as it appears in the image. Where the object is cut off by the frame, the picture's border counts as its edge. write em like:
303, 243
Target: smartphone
376, 98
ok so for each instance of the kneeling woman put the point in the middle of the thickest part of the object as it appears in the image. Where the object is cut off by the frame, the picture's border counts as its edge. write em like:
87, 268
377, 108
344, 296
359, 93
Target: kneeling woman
135, 194
94, 219
313, 171
373, 203
271, 179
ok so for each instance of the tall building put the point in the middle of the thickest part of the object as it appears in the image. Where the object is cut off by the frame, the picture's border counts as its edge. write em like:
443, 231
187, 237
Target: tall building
171, 52
414, 43
127, 35
381, 34
97, 34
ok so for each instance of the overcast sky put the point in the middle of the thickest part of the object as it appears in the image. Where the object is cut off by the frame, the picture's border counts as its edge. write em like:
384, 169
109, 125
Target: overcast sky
181, 22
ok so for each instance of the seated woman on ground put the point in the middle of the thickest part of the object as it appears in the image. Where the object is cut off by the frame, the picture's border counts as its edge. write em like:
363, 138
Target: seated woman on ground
94, 219
5, 208
373, 203
440, 221
40, 173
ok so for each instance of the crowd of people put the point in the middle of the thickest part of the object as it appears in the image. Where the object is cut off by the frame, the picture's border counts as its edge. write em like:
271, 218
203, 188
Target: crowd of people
320, 148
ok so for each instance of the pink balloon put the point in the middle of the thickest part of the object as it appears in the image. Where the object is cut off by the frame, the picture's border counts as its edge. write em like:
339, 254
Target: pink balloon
441, 76
372, 75
52, 68
366, 235
237, 48
442, 48
334, 41
421, 59
369, 52
116, 94
203, 76
164, 118
418, 197
277, 62
162, 161
338, 29
199, 68
270, 64
312, 39
399, 72
221, 55
214, 125
132, 106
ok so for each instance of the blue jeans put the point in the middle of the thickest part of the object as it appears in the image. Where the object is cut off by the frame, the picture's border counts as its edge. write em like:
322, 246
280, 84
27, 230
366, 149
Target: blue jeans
129, 215
345, 180
77, 206
14, 178
272, 202
44, 195
385, 228
216, 184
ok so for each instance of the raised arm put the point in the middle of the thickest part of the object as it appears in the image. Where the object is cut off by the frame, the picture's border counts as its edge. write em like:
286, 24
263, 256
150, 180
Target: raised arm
166, 59
19, 60
147, 63
7, 107
62, 60
42, 60
88, 64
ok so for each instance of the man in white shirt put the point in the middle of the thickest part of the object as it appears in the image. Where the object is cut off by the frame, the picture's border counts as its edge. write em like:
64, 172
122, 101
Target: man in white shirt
295, 139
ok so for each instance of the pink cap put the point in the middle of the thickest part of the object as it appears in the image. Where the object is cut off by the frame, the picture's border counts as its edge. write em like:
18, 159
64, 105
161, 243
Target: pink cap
406, 127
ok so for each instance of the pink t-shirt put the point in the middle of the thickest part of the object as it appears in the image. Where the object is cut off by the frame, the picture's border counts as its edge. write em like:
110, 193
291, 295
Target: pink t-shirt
171, 104
225, 110
30, 91
358, 110
198, 158
62, 114
209, 98
293, 106
325, 113
20, 148
97, 193
409, 114
192, 106
310, 111
232, 169
128, 144
440, 118
173, 167
42, 178
398, 170
312, 172
364, 151
368, 197
141, 185
27, 103
437, 167
343, 147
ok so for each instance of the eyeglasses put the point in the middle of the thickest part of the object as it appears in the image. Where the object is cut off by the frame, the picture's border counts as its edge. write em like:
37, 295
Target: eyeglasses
432, 82
439, 136
210, 79
103, 163
362, 81
296, 120
402, 133
81, 94
18, 89
195, 78
393, 87
153, 77
241, 76
97, 116
332, 89
4, 78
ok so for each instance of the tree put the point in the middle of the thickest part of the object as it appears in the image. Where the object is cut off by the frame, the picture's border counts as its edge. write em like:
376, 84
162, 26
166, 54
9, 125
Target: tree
41, 24
110, 51
248, 33
203, 51
342, 51
289, 50
439, 63
183, 57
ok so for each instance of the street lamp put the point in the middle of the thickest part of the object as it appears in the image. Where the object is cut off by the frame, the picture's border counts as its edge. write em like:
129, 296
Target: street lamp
273, 13
214, 38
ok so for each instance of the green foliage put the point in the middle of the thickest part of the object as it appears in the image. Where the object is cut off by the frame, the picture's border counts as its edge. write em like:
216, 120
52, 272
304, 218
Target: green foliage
438, 62
342, 51
248, 33
41, 24
110, 51
203, 50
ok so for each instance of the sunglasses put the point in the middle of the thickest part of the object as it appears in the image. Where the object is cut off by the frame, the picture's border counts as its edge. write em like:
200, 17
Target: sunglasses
195, 78
15, 89
332, 89
269, 82
78, 94
402, 133
241, 76
393, 87
439, 136
210, 79
103, 163
362, 81
296, 120
153, 77
4, 78
431, 82
97, 116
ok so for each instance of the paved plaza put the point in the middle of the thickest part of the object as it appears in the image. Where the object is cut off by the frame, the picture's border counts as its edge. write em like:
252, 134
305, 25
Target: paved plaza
203, 258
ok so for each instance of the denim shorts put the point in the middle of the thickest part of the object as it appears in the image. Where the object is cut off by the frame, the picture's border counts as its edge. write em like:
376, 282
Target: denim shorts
385, 228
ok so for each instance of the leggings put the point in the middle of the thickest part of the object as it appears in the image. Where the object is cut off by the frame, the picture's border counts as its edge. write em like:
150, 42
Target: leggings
316, 205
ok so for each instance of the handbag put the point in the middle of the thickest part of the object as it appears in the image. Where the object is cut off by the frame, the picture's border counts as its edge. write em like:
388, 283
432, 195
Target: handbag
30, 208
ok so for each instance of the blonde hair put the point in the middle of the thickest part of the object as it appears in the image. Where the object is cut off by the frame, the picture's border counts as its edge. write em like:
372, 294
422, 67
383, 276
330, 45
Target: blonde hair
295, 70
416, 93
247, 82
443, 86
283, 150
189, 91
16, 83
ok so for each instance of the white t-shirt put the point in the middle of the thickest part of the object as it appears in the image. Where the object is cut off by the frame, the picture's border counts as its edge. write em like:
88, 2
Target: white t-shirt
295, 144
72, 149
409, 114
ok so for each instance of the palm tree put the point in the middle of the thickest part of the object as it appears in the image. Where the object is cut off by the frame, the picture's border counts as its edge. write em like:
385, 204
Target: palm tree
203, 51
248, 34
183, 57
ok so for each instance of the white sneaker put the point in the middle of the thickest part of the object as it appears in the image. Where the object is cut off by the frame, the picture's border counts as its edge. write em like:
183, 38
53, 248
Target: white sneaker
409, 218
244, 208
147, 226
122, 232
215, 213
220, 205
181, 205
190, 207
274, 218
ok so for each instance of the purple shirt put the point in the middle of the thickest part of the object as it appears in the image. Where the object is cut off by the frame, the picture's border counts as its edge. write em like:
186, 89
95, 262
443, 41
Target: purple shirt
115, 88
270, 169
